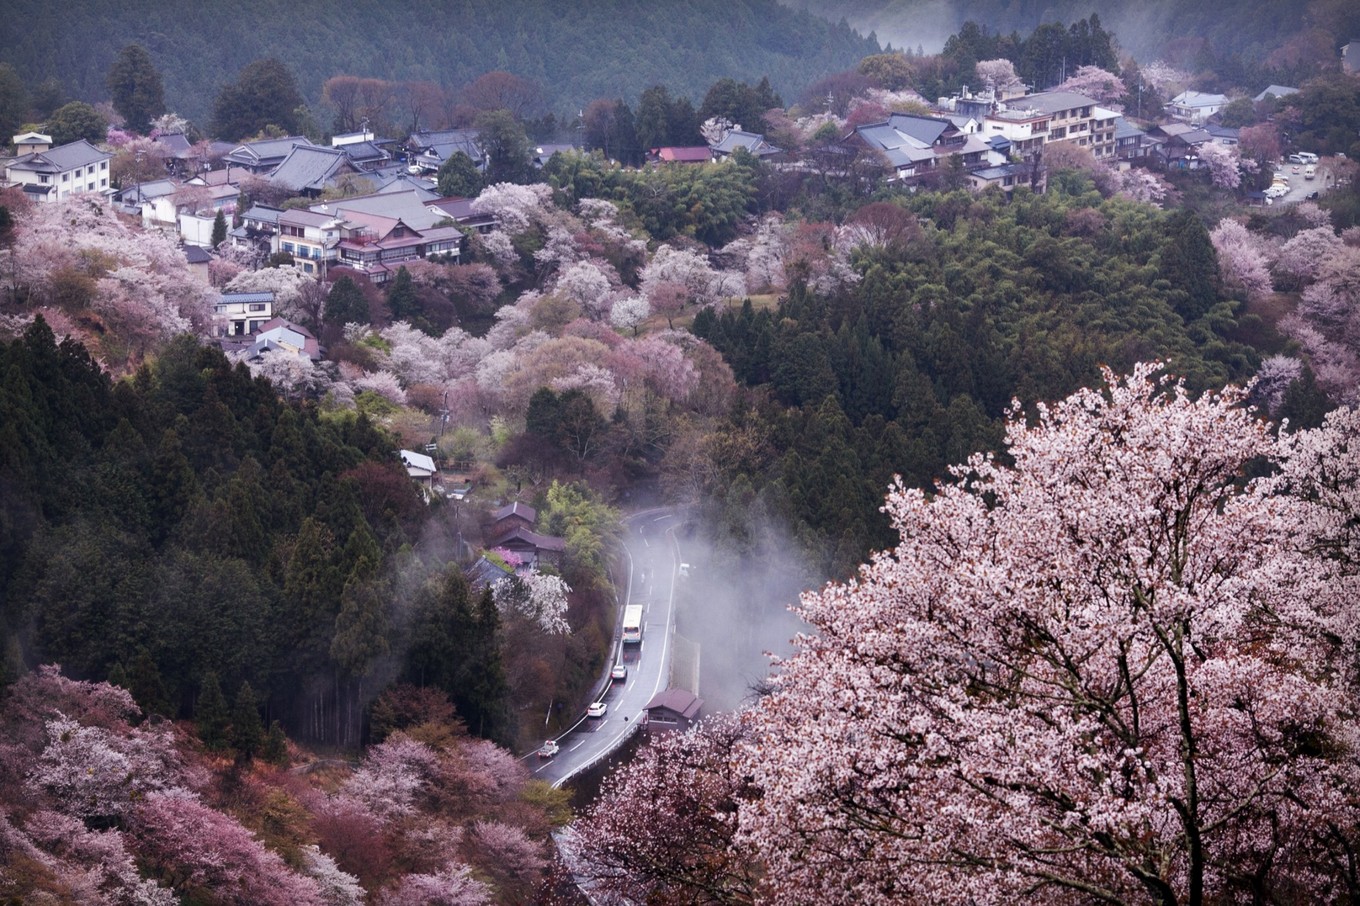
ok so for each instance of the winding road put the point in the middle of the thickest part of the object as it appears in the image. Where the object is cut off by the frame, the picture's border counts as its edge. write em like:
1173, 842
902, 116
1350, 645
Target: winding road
652, 555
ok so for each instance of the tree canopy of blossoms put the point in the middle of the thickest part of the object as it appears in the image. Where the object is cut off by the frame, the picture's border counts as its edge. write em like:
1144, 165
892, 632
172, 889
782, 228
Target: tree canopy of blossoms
538, 597
1302, 257
1242, 259
1114, 671
1224, 163
516, 207
1095, 83
997, 74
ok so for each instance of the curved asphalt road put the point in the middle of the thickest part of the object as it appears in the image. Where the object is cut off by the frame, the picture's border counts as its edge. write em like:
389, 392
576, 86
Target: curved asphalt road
653, 559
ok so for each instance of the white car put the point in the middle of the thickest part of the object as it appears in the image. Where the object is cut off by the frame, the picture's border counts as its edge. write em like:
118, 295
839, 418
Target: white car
550, 748
597, 709
619, 673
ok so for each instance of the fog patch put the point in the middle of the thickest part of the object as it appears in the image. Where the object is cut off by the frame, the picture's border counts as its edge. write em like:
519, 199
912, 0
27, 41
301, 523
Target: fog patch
733, 604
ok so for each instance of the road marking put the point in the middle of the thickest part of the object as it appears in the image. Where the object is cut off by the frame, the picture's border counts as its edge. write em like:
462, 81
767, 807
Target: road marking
578, 745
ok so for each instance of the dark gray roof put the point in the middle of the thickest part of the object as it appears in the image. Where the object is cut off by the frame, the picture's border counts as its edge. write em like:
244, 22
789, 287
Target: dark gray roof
1280, 91
927, 129
310, 168
61, 158
1052, 101
1000, 172
177, 143
751, 141
523, 510
1126, 129
681, 701
195, 255
264, 153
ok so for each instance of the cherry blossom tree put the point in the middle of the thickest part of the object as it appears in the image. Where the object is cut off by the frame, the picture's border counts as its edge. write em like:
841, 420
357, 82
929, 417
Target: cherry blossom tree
1102, 673
1224, 164
536, 596
1273, 379
90, 772
1142, 185
516, 207
629, 312
664, 830
200, 851
99, 862
452, 886
997, 74
392, 778
505, 853
337, 888
1242, 260
1095, 83
1327, 322
1303, 255
1163, 77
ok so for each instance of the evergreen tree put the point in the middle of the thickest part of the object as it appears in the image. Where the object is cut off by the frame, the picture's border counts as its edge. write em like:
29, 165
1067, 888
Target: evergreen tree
345, 304
247, 733
136, 88
219, 229
264, 94
1190, 263
459, 177
401, 298
148, 687
75, 121
276, 745
211, 715
509, 157
13, 100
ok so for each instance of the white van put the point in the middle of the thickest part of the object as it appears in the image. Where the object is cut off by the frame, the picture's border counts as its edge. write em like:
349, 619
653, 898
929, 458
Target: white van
1307, 158
1309, 172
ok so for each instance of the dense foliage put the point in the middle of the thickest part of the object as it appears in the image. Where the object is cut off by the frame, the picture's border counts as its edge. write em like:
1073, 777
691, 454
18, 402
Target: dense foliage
963, 304
574, 52
1116, 668
104, 807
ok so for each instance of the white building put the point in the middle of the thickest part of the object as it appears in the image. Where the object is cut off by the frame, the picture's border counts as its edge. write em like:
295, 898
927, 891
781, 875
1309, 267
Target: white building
58, 173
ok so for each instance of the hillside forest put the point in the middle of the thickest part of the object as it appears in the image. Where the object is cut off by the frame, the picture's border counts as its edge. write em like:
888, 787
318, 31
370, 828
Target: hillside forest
1097, 640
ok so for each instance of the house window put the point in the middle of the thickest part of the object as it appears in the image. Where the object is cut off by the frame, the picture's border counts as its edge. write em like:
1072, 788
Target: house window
103, 165
66, 177
44, 179
257, 306
289, 247
104, 183
307, 268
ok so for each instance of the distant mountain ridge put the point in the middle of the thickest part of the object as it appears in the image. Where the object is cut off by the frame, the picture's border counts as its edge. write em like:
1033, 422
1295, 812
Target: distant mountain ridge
1251, 28
578, 51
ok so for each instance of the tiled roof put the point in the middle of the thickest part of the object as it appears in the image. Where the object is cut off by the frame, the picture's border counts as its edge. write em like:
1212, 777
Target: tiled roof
1052, 101
309, 167
61, 158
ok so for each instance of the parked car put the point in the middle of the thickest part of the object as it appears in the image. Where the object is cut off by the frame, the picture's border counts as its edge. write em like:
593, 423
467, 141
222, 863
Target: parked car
1312, 196
549, 749
596, 709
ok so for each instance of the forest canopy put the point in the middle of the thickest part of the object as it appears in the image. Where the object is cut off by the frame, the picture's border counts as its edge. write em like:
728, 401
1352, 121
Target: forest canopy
574, 51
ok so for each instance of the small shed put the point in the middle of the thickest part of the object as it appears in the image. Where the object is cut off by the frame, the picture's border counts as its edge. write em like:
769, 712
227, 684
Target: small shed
674, 709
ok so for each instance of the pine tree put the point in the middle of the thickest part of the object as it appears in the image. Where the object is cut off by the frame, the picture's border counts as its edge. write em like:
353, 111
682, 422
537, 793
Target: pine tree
136, 88
276, 745
247, 733
211, 714
219, 229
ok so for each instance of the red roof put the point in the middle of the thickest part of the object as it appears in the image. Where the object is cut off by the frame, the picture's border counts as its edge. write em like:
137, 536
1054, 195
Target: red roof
694, 155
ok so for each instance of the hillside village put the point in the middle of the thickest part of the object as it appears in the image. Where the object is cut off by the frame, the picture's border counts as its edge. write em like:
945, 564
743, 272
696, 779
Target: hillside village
318, 446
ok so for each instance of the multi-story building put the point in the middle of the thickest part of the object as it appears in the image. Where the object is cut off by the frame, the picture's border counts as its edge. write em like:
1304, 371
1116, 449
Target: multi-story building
58, 173
1035, 120
310, 237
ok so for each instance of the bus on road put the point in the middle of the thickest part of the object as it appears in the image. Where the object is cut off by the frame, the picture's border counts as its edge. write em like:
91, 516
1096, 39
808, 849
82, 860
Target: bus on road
632, 624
